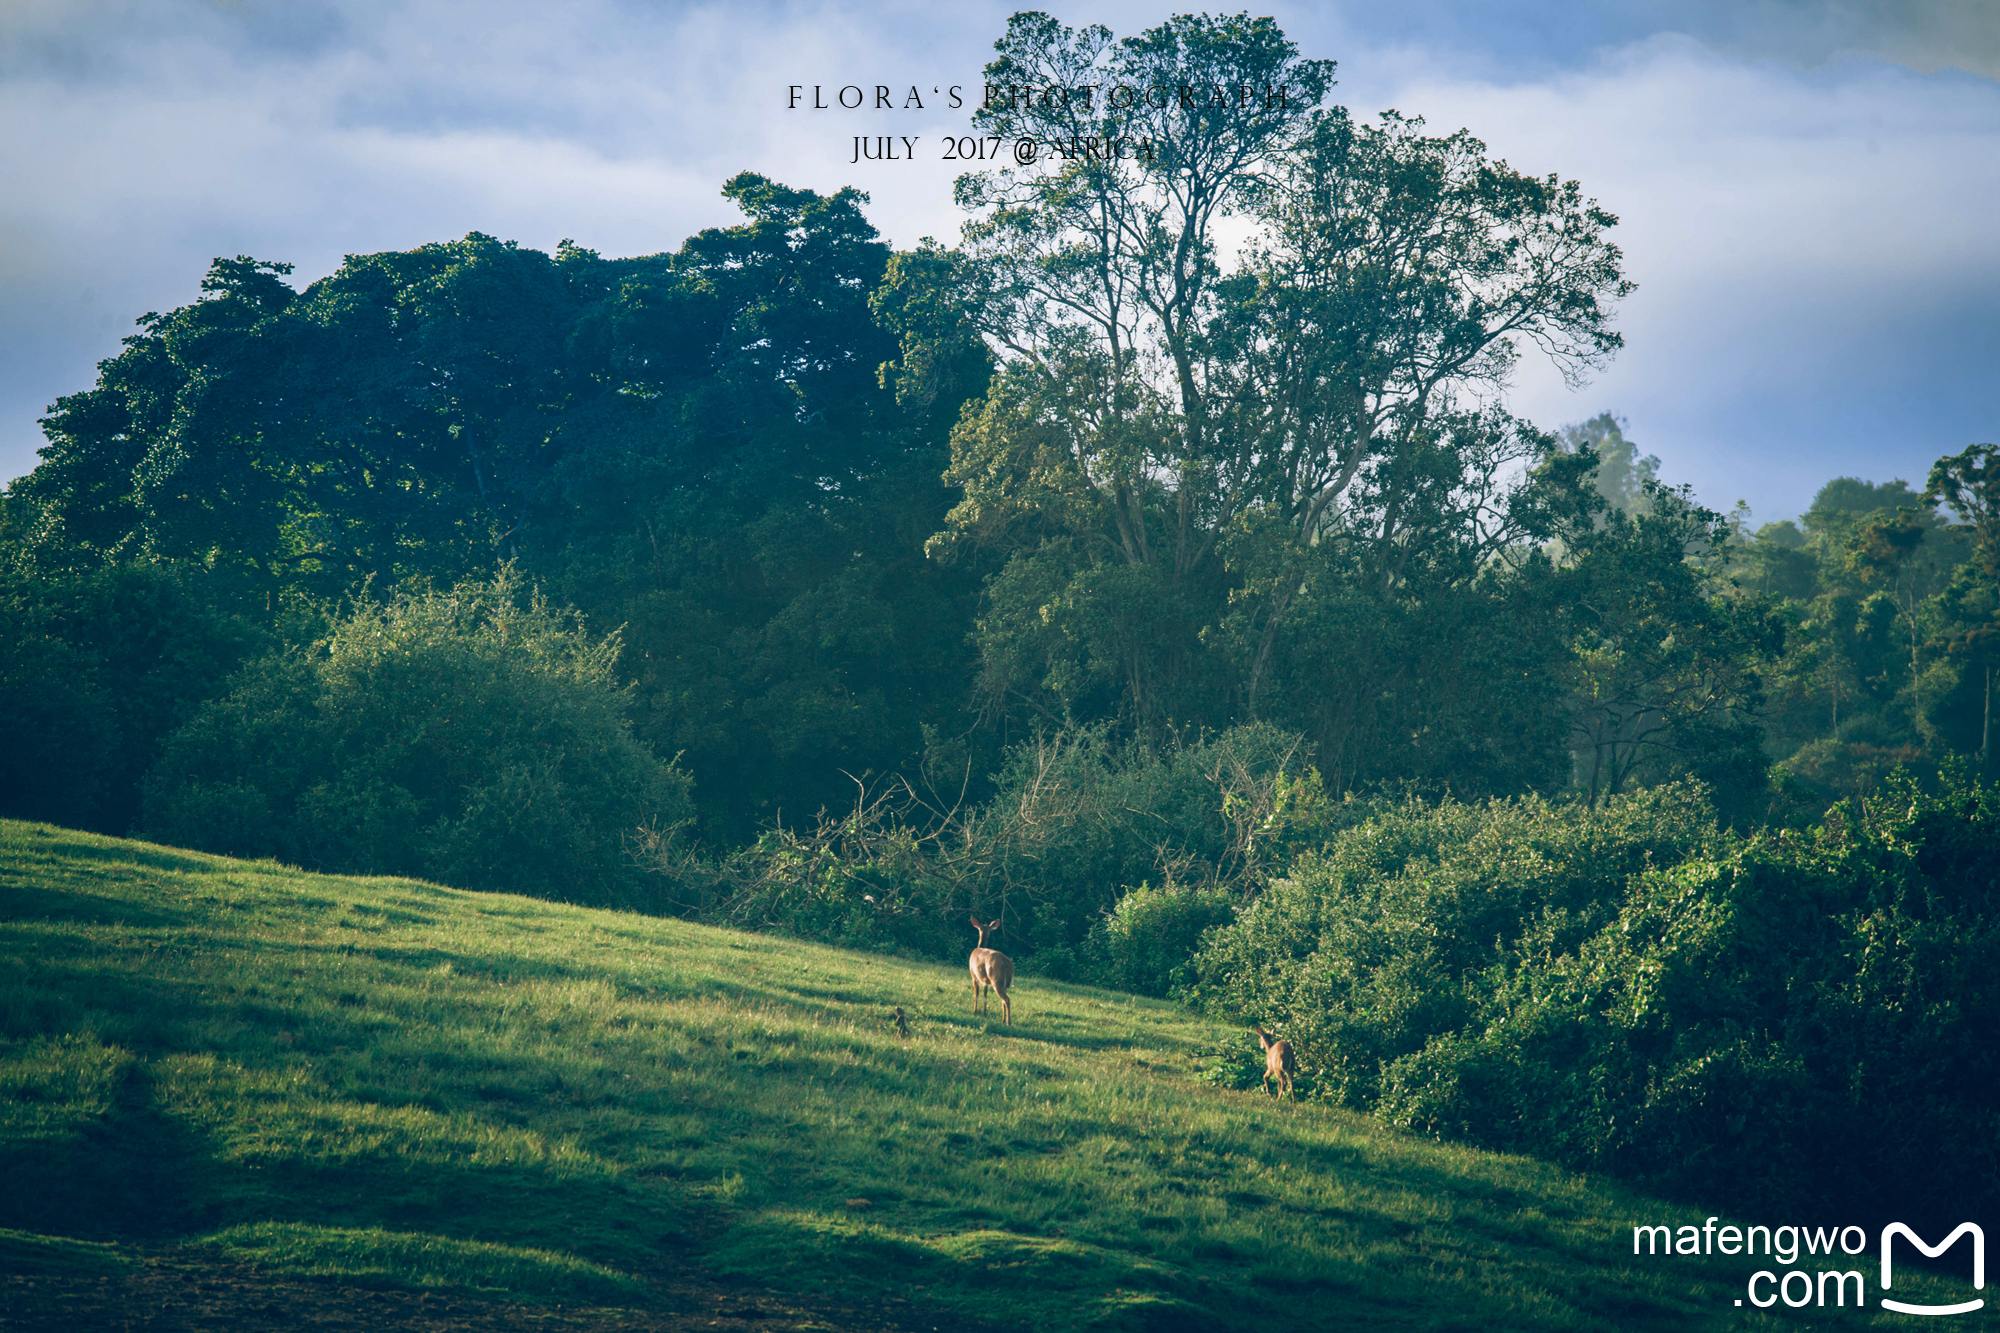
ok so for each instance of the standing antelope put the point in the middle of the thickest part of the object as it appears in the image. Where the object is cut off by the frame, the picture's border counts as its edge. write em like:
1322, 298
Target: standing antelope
1278, 1061
991, 968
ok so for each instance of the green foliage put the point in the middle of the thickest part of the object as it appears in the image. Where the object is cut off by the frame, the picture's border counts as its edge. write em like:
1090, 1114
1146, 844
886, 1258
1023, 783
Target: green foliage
60, 730
475, 737
1453, 688
777, 651
1388, 937
1144, 942
1834, 768
96, 669
1783, 1021
1667, 674
1885, 617
869, 878
1076, 819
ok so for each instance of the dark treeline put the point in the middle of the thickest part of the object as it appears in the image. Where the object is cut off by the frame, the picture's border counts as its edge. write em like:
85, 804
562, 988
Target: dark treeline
695, 447
1077, 574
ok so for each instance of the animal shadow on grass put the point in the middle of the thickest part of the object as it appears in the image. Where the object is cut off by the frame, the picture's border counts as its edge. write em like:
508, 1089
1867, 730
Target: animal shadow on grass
29, 902
74, 848
139, 1172
131, 1174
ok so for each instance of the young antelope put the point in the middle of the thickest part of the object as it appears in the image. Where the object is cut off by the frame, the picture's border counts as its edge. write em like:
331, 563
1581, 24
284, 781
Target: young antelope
1278, 1061
991, 969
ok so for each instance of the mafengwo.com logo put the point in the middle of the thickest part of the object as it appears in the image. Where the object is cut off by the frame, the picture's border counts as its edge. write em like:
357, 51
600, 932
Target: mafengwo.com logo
1815, 1283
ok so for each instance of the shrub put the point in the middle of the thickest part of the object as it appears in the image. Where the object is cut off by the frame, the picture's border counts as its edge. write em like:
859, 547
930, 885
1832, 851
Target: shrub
1075, 819
475, 737
1393, 933
1143, 943
1790, 1020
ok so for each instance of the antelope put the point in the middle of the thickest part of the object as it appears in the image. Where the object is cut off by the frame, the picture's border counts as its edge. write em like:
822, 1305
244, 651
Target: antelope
991, 968
1278, 1061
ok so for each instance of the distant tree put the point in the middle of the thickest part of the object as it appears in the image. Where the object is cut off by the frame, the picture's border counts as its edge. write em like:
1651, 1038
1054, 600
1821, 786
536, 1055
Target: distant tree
1847, 497
1882, 548
1846, 504
1776, 563
1668, 671
1622, 471
1968, 483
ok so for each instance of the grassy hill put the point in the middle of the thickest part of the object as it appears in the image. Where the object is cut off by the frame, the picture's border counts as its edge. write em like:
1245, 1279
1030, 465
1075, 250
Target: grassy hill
500, 1111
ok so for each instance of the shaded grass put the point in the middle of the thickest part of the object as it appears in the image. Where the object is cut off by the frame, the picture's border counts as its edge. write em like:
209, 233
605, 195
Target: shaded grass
408, 1259
327, 1067
24, 1253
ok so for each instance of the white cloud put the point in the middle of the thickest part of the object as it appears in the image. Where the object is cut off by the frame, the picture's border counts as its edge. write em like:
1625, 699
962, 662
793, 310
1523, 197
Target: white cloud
1805, 244
1924, 35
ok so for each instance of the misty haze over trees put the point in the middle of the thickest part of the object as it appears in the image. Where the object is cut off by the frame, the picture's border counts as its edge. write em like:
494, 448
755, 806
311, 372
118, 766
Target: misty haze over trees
1209, 619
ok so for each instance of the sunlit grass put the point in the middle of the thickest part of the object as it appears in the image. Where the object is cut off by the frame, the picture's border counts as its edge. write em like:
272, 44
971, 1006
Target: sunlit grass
438, 1262
25, 1253
391, 1080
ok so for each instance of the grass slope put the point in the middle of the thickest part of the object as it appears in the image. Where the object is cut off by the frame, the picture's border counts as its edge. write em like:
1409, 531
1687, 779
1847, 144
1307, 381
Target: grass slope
388, 1082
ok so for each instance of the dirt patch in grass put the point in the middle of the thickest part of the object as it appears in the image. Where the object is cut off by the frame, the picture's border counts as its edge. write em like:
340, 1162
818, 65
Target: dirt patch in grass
191, 1287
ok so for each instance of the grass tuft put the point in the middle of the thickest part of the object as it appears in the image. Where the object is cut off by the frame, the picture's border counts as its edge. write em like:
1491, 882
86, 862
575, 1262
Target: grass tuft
372, 1256
26, 1254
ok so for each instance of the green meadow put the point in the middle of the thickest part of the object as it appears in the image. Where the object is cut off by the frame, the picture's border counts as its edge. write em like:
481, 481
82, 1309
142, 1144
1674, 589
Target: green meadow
381, 1082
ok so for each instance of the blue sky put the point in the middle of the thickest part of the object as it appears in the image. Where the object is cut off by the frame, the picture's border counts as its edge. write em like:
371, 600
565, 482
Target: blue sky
1809, 193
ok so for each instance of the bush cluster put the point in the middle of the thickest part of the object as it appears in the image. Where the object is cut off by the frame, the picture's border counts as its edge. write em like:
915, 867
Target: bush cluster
1789, 1018
1144, 942
475, 737
1065, 852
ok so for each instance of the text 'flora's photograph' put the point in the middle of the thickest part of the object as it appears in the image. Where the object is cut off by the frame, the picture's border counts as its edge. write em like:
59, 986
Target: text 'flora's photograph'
669, 667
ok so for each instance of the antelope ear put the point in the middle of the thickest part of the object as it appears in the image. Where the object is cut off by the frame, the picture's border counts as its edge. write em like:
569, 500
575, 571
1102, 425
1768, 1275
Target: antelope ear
993, 925
976, 925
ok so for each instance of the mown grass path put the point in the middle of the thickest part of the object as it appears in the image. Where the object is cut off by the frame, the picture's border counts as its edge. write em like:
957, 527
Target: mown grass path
392, 1087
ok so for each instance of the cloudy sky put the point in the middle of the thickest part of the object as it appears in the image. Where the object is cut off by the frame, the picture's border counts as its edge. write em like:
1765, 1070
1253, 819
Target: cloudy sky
1809, 192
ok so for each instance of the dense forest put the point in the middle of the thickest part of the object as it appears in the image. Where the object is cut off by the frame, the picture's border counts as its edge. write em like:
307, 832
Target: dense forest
1200, 611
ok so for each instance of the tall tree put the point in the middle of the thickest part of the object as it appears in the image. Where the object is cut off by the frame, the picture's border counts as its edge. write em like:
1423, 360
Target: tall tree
1968, 483
1166, 443
1668, 673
